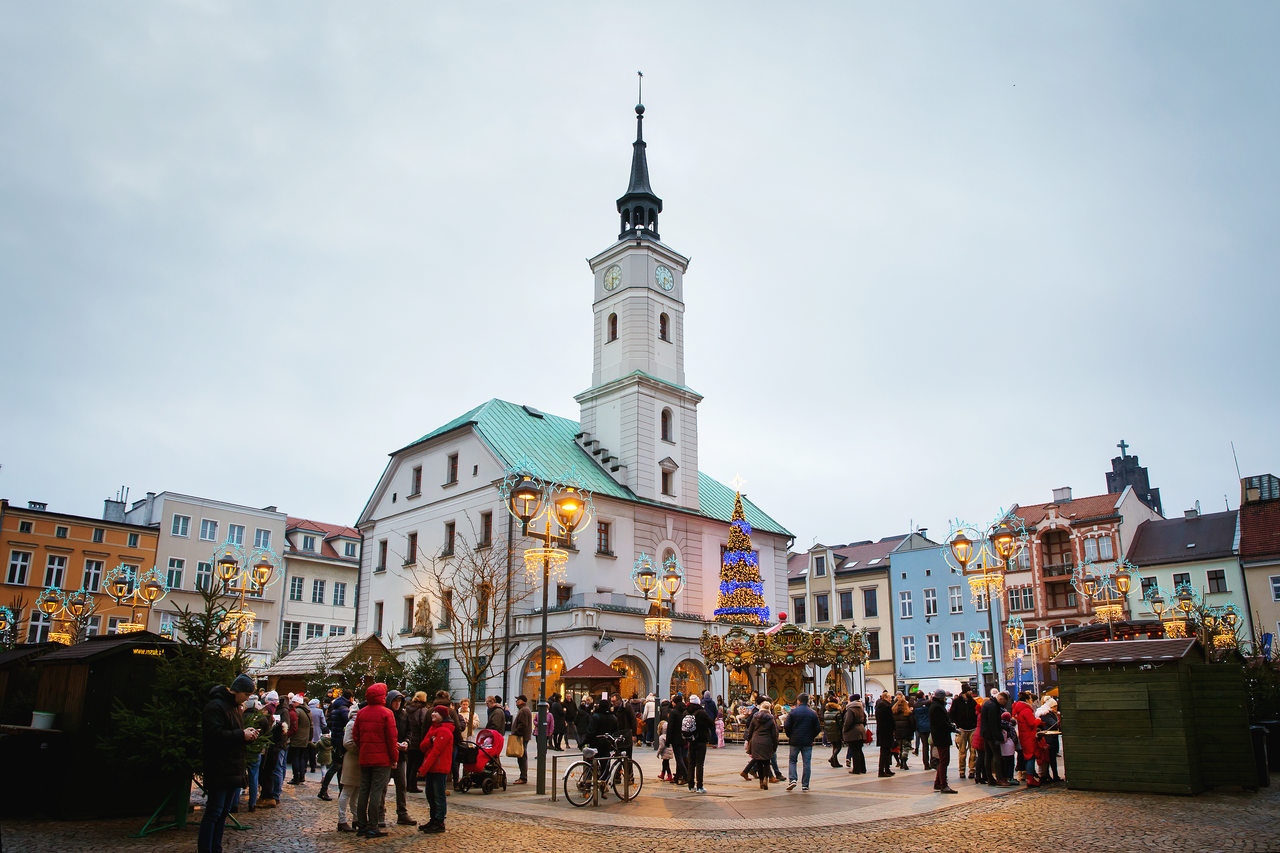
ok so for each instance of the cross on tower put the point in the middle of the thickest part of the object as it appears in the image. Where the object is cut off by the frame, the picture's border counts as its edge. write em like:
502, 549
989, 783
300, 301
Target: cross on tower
1123, 447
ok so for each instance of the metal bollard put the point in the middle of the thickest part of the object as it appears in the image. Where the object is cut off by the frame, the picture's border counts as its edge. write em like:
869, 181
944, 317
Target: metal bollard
595, 781
554, 776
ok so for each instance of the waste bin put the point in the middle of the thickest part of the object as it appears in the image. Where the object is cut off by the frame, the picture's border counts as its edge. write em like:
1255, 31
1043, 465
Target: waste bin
1273, 743
1260, 755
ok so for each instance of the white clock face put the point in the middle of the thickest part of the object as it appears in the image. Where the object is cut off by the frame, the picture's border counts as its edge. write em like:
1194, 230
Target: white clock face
612, 277
664, 278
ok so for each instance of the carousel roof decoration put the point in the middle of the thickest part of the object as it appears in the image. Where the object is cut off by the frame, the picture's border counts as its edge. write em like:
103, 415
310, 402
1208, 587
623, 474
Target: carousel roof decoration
789, 645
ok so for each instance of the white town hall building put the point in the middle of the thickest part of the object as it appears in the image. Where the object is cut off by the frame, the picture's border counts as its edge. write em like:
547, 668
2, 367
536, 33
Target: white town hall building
635, 449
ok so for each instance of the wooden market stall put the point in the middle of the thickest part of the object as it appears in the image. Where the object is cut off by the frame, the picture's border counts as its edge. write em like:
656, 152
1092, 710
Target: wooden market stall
1152, 716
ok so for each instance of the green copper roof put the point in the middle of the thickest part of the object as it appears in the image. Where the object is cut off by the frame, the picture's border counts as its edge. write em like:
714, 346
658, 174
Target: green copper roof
514, 433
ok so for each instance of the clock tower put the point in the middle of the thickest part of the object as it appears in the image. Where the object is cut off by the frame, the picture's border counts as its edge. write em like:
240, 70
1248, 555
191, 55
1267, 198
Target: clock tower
638, 418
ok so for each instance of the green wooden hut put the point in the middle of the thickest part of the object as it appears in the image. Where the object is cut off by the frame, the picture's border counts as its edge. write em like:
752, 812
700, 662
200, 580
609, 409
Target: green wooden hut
1153, 716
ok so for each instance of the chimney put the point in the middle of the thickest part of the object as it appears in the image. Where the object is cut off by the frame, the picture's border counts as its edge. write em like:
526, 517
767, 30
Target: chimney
112, 510
923, 531
37, 505
1062, 495
1191, 513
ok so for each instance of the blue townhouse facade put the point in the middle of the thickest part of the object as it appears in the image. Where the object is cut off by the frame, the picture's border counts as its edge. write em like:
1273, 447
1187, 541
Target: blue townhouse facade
934, 616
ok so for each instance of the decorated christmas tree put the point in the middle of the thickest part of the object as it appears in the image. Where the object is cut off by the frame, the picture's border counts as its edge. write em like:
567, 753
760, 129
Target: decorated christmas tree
741, 592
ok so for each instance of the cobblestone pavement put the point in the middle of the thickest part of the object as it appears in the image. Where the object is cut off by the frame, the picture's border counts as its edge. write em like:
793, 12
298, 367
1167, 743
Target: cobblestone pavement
1027, 821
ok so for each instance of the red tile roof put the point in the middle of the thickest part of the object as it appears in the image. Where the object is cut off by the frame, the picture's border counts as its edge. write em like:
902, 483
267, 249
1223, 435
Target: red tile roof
1260, 530
330, 532
1077, 509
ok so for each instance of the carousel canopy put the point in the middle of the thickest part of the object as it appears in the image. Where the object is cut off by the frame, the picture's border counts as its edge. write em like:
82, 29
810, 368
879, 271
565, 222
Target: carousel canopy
785, 646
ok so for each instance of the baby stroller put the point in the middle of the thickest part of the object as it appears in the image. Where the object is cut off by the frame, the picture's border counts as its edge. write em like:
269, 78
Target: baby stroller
480, 764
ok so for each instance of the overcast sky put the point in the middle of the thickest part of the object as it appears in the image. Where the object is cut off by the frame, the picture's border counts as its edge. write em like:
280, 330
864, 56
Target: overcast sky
945, 256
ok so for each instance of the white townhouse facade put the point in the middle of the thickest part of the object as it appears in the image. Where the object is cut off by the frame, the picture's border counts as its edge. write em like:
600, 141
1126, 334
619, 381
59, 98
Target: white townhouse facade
318, 589
634, 447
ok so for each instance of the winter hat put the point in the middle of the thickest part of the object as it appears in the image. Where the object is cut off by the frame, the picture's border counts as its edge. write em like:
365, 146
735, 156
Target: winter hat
420, 696
939, 694
272, 697
695, 699
242, 684
314, 703
1006, 716
251, 702
298, 699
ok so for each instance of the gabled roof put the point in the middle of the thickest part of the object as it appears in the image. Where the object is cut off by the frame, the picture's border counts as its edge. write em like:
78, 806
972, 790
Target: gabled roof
309, 655
591, 669
328, 533
515, 433
1260, 530
1074, 510
854, 557
103, 645
1181, 540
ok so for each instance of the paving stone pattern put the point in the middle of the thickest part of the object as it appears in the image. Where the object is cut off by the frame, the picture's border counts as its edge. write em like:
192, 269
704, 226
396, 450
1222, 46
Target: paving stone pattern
851, 812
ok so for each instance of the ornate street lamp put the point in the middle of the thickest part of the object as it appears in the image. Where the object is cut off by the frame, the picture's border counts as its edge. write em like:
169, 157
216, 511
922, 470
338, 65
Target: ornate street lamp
240, 574
566, 507
137, 590
983, 556
1106, 589
657, 624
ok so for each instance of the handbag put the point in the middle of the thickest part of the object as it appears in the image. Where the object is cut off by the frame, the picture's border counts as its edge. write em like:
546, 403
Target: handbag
933, 753
515, 747
869, 736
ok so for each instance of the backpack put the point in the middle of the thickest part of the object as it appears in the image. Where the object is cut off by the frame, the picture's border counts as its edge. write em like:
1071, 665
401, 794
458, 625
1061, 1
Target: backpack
688, 724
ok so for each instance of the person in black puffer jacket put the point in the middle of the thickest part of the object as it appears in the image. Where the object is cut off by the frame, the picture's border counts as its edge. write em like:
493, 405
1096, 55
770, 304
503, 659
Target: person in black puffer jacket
223, 736
885, 734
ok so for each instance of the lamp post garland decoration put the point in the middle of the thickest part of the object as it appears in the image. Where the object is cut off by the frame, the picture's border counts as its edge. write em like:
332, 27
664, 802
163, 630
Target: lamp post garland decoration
62, 606
741, 597
1106, 588
137, 590
240, 573
657, 624
8, 627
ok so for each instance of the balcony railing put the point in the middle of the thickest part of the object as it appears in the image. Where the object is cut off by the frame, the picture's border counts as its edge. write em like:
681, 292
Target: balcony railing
1053, 570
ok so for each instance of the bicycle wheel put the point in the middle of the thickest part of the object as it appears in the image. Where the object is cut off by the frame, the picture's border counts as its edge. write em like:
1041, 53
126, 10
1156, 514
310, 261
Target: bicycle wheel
637, 780
577, 783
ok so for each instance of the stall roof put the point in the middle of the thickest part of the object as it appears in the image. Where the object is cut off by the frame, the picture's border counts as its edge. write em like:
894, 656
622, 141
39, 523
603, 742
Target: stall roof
1127, 651
106, 644
311, 655
591, 669
26, 651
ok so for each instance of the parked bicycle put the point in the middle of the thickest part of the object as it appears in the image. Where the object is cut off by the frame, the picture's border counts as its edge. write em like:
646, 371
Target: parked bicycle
614, 771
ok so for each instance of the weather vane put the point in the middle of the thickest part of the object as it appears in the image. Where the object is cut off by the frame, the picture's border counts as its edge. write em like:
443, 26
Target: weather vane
639, 87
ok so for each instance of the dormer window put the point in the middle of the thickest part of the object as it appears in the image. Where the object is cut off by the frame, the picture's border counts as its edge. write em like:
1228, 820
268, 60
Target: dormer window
664, 327
308, 543
820, 566
612, 333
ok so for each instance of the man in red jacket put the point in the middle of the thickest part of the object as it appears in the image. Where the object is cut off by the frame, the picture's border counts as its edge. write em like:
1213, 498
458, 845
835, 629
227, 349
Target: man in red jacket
375, 737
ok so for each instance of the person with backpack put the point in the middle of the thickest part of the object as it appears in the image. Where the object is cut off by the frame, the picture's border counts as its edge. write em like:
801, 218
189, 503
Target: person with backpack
832, 728
696, 728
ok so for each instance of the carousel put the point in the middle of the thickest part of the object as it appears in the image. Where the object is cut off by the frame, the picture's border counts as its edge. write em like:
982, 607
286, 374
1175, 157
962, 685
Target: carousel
780, 657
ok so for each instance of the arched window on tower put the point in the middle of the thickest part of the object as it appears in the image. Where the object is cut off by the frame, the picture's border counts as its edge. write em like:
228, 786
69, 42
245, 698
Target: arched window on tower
664, 327
667, 431
612, 333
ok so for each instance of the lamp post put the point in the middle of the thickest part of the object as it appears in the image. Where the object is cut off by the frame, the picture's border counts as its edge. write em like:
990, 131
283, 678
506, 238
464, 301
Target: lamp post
7, 624
566, 508
984, 557
657, 625
62, 606
239, 578
1107, 590
136, 590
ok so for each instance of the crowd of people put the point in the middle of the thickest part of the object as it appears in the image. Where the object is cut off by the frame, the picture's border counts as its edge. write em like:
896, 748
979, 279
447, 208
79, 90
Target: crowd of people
252, 738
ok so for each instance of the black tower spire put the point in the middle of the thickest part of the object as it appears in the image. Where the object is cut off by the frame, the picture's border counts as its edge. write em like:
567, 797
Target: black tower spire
639, 207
